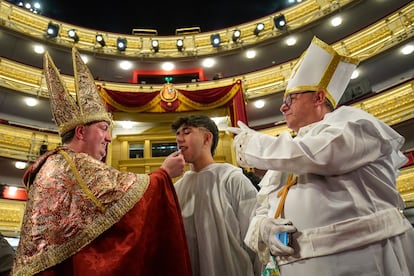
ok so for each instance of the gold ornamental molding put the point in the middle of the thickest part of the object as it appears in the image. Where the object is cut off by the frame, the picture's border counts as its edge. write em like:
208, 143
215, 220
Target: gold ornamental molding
22, 144
405, 185
195, 44
11, 217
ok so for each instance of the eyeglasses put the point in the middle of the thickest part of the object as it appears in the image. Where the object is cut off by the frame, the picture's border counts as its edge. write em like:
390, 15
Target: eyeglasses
288, 100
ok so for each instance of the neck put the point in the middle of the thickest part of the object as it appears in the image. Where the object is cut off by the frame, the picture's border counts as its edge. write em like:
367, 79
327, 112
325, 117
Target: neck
201, 164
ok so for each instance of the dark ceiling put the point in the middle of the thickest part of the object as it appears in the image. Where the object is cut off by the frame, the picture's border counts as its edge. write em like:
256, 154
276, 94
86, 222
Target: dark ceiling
165, 17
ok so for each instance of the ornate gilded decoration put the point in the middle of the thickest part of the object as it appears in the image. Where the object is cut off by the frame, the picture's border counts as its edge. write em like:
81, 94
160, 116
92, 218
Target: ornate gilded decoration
88, 106
168, 93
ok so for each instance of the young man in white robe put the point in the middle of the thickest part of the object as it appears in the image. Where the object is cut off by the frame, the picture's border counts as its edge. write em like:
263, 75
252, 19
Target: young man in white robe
217, 201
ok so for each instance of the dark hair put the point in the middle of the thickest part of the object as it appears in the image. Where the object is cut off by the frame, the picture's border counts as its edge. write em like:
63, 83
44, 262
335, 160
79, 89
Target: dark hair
199, 121
68, 136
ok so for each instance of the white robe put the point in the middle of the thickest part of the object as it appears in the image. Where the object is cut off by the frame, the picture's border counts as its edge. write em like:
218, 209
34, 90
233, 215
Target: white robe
347, 165
217, 204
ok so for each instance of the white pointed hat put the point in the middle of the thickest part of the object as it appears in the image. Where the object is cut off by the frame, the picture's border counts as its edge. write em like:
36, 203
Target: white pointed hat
321, 68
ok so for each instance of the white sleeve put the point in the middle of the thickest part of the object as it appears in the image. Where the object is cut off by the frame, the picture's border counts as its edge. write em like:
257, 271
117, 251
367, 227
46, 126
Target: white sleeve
325, 150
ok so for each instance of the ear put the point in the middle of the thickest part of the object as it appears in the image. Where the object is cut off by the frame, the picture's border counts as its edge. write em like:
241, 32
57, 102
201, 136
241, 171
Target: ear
320, 97
80, 132
208, 137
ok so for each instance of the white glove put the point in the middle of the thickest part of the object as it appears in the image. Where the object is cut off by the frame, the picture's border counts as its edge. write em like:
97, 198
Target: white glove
268, 229
244, 133
238, 130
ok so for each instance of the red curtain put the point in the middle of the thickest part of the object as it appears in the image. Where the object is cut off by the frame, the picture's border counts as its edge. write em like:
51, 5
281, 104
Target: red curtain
230, 96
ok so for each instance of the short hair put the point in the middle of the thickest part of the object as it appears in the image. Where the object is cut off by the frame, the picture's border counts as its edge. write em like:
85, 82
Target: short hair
199, 121
68, 136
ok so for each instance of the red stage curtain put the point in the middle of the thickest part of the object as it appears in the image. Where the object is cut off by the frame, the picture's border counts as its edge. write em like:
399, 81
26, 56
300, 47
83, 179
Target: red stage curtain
230, 96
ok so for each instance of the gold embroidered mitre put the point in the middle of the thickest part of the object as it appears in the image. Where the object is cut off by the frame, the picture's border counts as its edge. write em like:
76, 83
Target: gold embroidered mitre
67, 112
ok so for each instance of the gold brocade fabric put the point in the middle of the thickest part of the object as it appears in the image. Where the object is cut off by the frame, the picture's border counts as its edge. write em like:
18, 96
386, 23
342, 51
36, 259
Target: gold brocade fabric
68, 112
60, 219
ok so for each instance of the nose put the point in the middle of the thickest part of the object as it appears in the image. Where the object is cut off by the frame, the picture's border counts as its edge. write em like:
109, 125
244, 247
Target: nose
283, 108
108, 137
179, 138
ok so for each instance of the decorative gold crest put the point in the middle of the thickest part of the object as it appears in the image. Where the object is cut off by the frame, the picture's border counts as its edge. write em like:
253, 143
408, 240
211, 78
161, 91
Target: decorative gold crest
168, 93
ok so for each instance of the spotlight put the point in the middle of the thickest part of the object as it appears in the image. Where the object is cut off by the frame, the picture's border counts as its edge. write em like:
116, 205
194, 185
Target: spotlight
52, 30
72, 34
236, 35
180, 44
259, 28
121, 44
155, 45
215, 40
280, 22
100, 40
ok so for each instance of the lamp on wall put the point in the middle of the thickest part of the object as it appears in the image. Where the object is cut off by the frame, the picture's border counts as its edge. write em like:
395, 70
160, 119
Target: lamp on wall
259, 28
280, 22
121, 44
72, 34
180, 44
215, 40
52, 30
155, 45
100, 40
236, 35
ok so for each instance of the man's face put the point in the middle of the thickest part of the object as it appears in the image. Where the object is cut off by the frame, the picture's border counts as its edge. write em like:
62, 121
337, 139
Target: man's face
193, 142
96, 137
299, 109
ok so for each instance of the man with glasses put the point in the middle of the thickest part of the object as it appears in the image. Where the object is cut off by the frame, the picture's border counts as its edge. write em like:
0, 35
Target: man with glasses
332, 187
217, 201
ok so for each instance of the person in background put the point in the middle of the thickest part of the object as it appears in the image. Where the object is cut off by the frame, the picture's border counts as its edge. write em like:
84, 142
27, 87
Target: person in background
6, 256
254, 178
217, 201
84, 217
333, 185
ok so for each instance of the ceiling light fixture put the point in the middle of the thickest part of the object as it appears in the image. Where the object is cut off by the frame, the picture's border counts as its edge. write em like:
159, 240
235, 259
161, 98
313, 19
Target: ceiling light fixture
31, 101
20, 165
259, 104
290, 41
336, 21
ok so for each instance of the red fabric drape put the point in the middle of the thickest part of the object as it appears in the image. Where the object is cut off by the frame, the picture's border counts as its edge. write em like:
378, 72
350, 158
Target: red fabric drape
149, 240
229, 96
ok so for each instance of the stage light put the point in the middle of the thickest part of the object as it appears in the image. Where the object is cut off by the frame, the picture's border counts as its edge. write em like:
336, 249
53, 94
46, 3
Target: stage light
52, 30
259, 28
215, 40
236, 35
155, 45
180, 44
280, 22
72, 34
121, 44
100, 40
